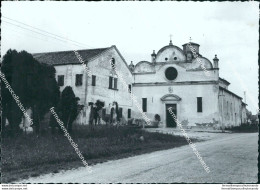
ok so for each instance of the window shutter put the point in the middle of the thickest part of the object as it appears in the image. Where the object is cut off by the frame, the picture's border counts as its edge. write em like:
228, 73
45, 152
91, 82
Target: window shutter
93, 80
129, 113
199, 104
144, 104
78, 81
110, 82
129, 88
115, 83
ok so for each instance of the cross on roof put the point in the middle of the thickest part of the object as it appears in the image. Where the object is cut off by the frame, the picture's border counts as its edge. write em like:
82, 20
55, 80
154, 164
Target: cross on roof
170, 37
190, 39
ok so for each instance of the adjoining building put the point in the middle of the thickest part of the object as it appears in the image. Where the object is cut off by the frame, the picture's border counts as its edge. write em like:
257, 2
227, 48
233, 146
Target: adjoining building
178, 78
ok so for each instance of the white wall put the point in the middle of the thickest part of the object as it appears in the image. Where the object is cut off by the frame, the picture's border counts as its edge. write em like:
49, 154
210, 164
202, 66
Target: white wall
101, 67
188, 86
230, 108
186, 107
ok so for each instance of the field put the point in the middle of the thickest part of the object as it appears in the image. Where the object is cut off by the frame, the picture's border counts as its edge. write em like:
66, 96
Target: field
31, 155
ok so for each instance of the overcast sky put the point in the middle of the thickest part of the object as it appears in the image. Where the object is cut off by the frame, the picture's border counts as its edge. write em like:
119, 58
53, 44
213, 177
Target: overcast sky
228, 29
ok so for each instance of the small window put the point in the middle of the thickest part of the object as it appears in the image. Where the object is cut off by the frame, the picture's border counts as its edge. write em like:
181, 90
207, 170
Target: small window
231, 111
175, 58
227, 108
129, 113
93, 80
112, 83
113, 63
189, 56
78, 80
199, 104
61, 80
144, 104
166, 59
129, 88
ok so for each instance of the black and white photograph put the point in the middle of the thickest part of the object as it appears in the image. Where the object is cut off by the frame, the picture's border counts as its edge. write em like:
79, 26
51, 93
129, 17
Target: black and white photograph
129, 92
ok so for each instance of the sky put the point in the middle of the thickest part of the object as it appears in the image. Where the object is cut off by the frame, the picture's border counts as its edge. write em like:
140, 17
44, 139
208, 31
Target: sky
228, 29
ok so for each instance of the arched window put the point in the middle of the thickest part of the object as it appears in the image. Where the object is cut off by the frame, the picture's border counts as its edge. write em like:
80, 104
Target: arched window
113, 62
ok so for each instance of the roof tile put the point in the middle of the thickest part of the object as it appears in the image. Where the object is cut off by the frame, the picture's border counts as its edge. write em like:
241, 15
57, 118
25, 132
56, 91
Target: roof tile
67, 57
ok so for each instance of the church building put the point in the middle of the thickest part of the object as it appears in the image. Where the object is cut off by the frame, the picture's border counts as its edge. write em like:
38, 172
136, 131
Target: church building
177, 78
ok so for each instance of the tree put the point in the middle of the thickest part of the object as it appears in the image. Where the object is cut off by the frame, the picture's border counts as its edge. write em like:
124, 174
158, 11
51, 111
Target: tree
97, 115
11, 111
33, 82
68, 107
45, 91
248, 115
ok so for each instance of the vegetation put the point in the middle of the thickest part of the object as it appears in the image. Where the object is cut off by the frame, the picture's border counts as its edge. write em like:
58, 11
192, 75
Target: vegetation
68, 107
35, 85
29, 155
157, 119
244, 128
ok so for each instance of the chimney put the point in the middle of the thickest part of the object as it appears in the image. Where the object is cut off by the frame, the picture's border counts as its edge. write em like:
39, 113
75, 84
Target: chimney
215, 61
153, 55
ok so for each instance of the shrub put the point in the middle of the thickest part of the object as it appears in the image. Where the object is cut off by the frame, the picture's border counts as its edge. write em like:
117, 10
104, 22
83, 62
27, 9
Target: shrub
157, 117
244, 128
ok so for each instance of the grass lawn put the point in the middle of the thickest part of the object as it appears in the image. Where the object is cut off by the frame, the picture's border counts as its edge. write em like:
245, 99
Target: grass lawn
29, 155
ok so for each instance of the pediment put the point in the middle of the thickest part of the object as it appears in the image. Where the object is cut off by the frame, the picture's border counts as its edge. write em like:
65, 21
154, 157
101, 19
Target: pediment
170, 97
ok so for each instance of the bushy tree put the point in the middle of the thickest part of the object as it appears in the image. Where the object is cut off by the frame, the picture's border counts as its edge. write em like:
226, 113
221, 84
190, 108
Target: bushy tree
45, 91
248, 115
68, 107
34, 83
10, 109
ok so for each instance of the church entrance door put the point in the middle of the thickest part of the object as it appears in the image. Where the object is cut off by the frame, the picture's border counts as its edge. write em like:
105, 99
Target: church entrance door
170, 122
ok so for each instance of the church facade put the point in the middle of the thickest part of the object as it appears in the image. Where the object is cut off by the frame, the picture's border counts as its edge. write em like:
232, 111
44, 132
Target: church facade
177, 78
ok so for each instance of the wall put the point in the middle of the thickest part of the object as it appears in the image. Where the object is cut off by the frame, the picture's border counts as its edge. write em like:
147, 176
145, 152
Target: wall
188, 86
183, 74
69, 72
230, 108
101, 67
186, 107
223, 84
170, 52
244, 117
